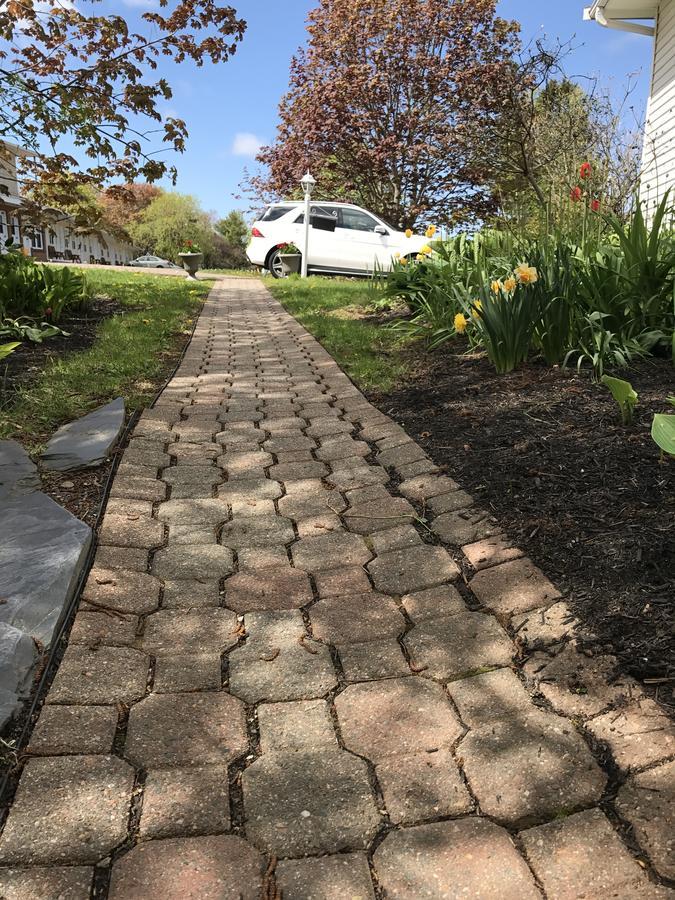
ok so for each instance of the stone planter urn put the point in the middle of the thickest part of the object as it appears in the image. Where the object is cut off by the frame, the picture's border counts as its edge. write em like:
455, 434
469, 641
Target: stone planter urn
191, 263
290, 263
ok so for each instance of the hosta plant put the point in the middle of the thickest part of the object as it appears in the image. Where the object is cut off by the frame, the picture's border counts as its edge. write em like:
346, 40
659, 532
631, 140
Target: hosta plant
624, 394
663, 432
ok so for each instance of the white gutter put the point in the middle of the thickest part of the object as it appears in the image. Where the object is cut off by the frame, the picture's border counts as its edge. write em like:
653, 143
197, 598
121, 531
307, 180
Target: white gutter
595, 13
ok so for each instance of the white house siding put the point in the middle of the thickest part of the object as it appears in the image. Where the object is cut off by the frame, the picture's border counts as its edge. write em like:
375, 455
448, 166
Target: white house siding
658, 161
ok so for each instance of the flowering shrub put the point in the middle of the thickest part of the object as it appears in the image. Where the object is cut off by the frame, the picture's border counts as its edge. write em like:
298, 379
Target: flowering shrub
289, 249
190, 247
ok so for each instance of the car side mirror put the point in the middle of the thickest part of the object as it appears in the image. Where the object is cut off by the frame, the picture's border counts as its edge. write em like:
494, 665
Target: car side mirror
380, 229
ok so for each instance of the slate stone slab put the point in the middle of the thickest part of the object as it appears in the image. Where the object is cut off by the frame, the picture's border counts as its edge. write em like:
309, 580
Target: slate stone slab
18, 657
87, 441
18, 473
42, 551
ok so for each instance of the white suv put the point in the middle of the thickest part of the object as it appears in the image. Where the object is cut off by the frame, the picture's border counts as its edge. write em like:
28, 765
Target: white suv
343, 239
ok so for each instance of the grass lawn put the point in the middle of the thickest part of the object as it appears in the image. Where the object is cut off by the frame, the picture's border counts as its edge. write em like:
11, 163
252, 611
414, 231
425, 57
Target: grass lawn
131, 353
336, 312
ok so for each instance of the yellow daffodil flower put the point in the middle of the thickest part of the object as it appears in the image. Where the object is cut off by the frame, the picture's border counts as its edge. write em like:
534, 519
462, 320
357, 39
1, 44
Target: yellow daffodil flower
397, 255
404, 261
477, 306
408, 232
509, 285
460, 323
419, 257
426, 250
526, 274
496, 287
431, 231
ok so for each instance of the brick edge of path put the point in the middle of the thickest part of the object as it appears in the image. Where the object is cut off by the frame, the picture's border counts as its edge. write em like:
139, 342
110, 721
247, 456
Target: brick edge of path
306, 663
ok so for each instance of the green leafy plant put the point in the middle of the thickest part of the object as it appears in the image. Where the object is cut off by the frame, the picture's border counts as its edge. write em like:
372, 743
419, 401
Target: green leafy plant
624, 394
289, 249
63, 289
6, 349
663, 432
28, 329
190, 247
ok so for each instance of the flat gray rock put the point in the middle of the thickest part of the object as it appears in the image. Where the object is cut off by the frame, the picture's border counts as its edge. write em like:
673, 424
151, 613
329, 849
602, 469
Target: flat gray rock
87, 441
18, 473
18, 657
42, 551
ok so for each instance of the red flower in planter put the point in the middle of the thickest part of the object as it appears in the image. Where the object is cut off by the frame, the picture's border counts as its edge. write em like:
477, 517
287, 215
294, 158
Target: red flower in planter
585, 170
595, 205
575, 194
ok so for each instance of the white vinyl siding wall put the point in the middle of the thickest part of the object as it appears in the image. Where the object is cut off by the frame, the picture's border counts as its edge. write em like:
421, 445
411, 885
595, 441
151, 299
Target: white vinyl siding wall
658, 160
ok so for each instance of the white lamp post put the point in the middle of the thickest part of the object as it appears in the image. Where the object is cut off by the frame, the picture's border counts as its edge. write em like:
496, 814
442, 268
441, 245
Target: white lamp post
307, 184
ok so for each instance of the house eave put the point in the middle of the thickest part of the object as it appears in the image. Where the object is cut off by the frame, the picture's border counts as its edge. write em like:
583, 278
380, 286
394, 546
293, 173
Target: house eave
617, 14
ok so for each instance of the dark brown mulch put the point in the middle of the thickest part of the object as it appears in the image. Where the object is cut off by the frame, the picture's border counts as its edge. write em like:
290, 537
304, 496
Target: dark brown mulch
80, 326
587, 497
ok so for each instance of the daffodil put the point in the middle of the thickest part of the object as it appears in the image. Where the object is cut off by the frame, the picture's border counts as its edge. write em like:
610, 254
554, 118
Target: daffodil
477, 306
426, 250
496, 287
397, 255
408, 232
419, 257
431, 231
509, 285
526, 274
404, 261
460, 323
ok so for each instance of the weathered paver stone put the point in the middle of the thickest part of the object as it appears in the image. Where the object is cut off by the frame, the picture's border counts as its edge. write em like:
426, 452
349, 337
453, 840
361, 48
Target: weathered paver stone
579, 685
647, 801
451, 502
404, 571
96, 628
356, 619
199, 868
490, 552
132, 531
373, 661
343, 581
193, 512
87, 441
191, 593
128, 592
129, 559
185, 802
513, 587
464, 526
57, 882
396, 717
167, 730
423, 487
70, 809
434, 603
454, 646
74, 729
377, 515
138, 488
304, 725
249, 489
303, 803
582, 856
330, 551
193, 561
396, 538
446, 860
277, 671
542, 627
185, 673
423, 786
209, 631
100, 676
257, 531
638, 735
345, 876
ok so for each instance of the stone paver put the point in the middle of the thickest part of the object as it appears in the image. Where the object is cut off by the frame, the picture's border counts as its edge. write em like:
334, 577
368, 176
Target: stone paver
582, 856
270, 633
302, 803
68, 809
448, 860
199, 868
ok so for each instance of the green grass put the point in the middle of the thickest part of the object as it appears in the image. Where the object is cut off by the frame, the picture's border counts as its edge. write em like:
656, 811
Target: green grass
131, 352
333, 310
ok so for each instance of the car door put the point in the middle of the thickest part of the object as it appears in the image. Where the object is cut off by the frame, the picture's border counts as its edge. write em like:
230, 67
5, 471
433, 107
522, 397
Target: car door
364, 248
322, 246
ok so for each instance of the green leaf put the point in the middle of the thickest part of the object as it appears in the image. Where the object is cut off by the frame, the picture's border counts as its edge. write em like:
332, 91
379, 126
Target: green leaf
624, 394
663, 432
6, 349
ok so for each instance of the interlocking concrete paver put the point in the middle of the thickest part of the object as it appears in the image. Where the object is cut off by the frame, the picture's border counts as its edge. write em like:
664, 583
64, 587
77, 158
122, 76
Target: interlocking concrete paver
170, 730
582, 856
262, 443
396, 717
446, 860
647, 801
300, 803
52, 883
185, 802
68, 809
345, 876
198, 868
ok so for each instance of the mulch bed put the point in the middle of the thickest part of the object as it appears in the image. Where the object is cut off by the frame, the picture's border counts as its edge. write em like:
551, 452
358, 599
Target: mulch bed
585, 496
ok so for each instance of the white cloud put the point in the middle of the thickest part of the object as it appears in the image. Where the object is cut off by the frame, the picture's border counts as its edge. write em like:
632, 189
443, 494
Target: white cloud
246, 144
141, 4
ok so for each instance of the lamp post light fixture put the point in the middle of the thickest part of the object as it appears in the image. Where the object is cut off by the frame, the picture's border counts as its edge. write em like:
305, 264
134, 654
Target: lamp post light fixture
307, 183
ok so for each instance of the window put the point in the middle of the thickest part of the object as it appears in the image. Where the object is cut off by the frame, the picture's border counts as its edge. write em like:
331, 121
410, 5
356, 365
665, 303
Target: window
3, 225
36, 241
16, 230
315, 210
275, 212
355, 220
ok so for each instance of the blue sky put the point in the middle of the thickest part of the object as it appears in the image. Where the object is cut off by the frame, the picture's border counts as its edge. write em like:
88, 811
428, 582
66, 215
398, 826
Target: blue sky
231, 108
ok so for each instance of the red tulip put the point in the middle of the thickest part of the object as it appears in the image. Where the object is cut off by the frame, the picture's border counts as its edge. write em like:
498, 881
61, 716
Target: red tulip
575, 194
595, 205
585, 170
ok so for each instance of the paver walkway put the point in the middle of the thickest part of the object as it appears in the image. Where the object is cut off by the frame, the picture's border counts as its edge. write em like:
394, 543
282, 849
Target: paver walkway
281, 682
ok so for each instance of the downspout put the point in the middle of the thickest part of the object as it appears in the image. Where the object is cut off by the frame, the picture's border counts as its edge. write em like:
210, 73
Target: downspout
596, 13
